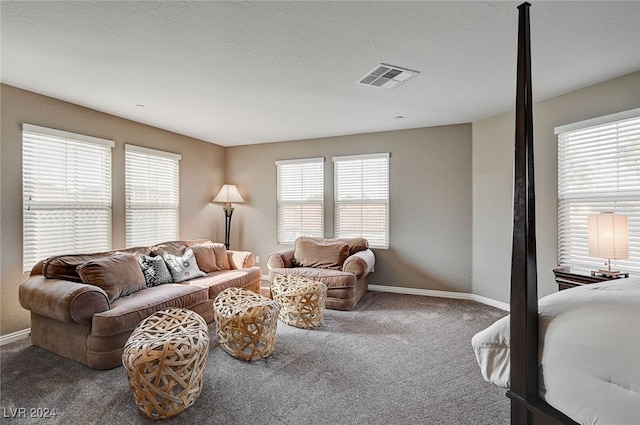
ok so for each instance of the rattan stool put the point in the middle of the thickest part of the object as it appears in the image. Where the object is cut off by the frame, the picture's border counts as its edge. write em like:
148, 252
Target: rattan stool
246, 323
301, 300
164, 358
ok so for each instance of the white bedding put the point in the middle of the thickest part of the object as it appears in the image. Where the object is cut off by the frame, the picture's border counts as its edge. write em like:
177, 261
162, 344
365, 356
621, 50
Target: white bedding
589, 352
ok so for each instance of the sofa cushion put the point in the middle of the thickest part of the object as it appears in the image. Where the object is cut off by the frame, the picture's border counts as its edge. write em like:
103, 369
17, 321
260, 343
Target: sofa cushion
118, 275
174, 247
182, 267
327, 255
155, 270
218, 281
126, 312
64, 266
207, 257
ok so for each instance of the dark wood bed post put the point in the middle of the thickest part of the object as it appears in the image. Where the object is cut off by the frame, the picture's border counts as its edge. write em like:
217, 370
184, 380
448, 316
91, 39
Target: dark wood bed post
526, 406
524, 289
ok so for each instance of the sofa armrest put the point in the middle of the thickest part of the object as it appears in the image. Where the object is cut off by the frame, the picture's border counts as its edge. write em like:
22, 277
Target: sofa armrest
281, 259
62, 300
360, 263
38, 268
241, 259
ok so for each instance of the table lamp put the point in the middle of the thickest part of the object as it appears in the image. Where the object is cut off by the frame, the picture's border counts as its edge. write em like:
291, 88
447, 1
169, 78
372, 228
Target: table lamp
609, 239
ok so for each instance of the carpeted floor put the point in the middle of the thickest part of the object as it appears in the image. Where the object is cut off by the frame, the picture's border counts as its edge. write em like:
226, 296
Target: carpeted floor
395, 359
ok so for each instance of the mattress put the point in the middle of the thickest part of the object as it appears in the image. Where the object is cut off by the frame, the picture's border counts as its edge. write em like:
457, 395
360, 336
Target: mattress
589, 352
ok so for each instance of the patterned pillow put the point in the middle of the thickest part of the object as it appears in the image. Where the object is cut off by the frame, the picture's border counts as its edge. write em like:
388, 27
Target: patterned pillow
182, 267
155, 270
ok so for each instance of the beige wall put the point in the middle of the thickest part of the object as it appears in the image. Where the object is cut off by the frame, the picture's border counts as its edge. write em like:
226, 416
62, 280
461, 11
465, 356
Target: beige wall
201, 175
430, 205
443, 228
493, 180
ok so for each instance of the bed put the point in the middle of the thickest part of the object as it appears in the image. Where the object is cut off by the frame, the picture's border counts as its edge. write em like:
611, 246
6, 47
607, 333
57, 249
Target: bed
586, 367
589, 339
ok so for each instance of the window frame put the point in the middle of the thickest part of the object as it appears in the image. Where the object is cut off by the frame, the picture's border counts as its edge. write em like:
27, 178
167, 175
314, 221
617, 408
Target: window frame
151, 210
603, 140
364, 231
315, 228
75, 207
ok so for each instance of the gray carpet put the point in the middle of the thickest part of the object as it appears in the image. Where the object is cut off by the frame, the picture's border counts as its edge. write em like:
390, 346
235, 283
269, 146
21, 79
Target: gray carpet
395, 359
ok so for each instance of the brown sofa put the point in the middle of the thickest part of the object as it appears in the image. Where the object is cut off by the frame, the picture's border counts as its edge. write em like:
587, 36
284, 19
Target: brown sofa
342, 264
85, 306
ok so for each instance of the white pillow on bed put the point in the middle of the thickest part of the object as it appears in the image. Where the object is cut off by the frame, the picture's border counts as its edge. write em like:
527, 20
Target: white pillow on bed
492, 350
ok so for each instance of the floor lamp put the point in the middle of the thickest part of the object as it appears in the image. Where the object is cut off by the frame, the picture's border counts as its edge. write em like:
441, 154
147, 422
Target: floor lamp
228, 194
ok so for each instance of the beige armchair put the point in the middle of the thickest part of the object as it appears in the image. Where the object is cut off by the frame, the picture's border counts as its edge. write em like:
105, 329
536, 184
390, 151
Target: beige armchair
341, 264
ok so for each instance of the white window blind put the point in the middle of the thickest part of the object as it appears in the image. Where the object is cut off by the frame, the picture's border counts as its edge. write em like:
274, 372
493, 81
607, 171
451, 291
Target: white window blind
152, 195
598, 171
300, 204
362, 198
66, 185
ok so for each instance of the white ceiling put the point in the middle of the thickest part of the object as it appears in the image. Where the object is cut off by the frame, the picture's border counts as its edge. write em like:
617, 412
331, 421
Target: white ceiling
236, 73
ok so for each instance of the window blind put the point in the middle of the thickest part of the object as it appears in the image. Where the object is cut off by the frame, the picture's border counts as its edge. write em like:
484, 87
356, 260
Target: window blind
362, 198
300, 199
66, 186
598, 171
152, 195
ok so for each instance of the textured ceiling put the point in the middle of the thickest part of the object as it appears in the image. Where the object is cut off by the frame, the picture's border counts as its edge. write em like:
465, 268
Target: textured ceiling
236, 73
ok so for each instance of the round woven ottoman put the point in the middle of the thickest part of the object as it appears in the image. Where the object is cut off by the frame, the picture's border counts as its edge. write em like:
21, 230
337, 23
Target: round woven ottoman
164, 358
301, 300
245, 323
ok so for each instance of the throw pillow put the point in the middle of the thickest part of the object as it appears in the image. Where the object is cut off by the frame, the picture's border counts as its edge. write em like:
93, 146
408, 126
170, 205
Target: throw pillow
206, 257
64, 266
355, 244
155, 270
222, 256
118, 275
182, 267
326, 255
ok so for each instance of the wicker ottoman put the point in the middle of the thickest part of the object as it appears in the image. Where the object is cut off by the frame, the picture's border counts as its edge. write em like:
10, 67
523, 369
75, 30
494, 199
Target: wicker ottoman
301, 300
246, 323
164, 358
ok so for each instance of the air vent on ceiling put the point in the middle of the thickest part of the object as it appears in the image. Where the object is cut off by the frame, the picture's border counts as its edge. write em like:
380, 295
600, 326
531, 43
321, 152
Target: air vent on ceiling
386, 76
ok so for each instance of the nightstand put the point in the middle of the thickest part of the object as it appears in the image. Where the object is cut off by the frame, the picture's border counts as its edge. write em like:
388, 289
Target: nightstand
570, 277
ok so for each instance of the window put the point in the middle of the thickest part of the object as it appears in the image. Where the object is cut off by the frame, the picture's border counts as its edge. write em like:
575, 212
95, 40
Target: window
300, 206
598, 171
362, 198
66, 186
151, 190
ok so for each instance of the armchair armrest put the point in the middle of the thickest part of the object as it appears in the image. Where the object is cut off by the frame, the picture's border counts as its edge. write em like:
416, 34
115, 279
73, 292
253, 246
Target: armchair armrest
62, 300
241, 259
281, 259
360, 263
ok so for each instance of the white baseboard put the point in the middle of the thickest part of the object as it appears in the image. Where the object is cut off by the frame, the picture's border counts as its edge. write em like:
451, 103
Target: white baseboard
14, 336
441, 294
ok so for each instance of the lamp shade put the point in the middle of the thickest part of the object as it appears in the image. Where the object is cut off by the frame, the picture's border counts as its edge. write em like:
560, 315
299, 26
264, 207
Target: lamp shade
228, 194
608, 235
